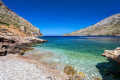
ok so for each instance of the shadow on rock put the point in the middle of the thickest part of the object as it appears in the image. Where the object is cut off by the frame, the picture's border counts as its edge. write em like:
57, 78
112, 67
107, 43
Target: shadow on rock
109, 70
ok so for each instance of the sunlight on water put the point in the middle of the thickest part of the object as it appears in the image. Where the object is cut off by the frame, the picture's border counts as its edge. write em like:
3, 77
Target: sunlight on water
84, 53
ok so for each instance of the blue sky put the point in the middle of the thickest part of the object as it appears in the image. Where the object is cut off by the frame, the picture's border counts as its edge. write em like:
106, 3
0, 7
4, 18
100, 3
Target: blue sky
56, 17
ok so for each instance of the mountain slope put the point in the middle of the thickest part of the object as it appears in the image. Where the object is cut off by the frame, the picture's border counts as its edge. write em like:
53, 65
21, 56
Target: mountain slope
107, 27
16, 33
8, 17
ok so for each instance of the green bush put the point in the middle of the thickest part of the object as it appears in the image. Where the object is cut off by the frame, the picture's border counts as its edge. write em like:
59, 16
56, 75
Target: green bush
3, 23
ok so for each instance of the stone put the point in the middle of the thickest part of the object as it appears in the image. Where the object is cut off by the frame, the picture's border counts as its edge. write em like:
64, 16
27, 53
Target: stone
78, 78
118, 50
69, 70
112, 54
81, 74
97, 79
23, 28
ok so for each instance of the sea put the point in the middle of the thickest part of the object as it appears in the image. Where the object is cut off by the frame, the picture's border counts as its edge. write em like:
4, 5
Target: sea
83, 53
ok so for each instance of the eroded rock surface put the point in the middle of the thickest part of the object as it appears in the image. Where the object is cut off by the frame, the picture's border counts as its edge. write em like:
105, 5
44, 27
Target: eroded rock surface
113, 54
16, 33
14, 43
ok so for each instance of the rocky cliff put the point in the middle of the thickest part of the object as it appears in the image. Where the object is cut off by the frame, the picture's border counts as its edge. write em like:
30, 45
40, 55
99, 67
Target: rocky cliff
16, 33
8, 17
107, 27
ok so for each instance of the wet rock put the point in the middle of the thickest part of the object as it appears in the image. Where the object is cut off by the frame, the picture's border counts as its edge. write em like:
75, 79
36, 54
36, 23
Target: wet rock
69, 70
72, 74
78, 78
97, 79
81, 74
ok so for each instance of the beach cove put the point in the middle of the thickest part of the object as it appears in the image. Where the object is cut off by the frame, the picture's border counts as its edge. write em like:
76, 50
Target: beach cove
83, 53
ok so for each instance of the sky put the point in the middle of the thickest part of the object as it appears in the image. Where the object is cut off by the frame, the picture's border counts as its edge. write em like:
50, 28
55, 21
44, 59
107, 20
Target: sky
57, 17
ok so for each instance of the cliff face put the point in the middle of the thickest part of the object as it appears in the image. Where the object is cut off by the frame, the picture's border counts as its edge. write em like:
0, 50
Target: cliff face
107, 27
8, 17
16, 33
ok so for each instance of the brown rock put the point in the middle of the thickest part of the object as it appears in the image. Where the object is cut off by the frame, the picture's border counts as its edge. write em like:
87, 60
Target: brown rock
69, 70
81, 74
113, 54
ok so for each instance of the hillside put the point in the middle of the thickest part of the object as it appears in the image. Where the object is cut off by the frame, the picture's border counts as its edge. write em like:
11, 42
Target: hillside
107, 27
8, 17
16, 33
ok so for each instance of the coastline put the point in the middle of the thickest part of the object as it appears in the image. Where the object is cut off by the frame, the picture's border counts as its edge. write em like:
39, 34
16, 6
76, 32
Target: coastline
53, 59
49, 60
22, 66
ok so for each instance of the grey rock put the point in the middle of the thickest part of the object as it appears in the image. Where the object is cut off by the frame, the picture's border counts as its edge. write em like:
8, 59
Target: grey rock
23, 28
107, 27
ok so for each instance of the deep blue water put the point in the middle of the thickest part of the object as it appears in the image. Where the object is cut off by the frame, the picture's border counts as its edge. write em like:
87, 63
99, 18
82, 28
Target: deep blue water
83, 53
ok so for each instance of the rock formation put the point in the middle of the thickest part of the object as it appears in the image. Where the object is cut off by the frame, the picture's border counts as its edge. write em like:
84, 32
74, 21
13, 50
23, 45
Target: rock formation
22, 28
8, 17
16, 33
113, 54
107, 27
13, 40
1, 3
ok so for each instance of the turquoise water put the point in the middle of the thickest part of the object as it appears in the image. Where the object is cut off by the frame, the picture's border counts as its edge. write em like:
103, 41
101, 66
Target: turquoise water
83, 53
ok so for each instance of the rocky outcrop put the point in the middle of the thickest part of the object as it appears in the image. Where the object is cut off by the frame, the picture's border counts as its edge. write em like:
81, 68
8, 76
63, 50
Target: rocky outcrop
107, 27
1, 3
15, 43
8, 17
16, 33
113, 54
22, 28
12, 46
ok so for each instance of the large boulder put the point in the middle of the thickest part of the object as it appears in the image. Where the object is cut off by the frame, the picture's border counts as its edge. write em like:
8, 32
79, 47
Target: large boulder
113, 54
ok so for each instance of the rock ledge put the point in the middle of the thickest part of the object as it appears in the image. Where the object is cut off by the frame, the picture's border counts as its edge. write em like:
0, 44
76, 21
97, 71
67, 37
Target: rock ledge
113, 54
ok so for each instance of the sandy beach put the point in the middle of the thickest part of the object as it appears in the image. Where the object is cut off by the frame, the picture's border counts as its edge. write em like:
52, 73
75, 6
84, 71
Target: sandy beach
15, 67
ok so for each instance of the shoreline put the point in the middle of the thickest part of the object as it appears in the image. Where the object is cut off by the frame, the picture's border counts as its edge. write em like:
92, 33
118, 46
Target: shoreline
46, 72
56, 65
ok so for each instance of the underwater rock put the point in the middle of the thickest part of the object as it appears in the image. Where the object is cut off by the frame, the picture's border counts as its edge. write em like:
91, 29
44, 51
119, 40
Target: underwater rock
81, 74
97, 79
69, 70
72, 74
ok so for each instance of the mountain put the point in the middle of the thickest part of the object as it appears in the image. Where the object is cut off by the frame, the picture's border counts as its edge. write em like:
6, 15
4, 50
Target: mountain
8, 17
107, 27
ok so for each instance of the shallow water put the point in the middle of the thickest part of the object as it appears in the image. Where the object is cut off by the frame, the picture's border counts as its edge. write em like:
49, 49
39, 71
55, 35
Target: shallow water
83, 53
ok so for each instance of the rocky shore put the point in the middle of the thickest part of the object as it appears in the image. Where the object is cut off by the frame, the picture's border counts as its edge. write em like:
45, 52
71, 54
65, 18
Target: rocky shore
14, 41
17, 36
113, 54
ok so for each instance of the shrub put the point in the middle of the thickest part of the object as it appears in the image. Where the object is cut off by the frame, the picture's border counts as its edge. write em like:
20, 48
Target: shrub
3, 23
